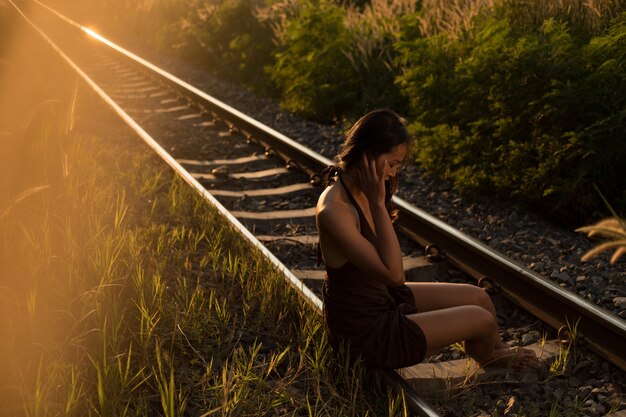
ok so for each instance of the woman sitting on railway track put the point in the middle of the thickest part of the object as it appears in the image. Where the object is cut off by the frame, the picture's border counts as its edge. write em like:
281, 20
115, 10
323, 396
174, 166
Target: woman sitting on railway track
389, 322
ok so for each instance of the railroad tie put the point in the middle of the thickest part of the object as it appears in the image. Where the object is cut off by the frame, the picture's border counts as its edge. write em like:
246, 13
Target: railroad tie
437, 378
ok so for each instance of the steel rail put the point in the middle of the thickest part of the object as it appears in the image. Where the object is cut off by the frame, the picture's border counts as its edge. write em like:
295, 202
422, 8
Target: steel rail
416, 403
605, 332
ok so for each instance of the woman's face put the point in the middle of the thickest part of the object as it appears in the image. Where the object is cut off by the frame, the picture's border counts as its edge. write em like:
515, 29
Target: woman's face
395, 158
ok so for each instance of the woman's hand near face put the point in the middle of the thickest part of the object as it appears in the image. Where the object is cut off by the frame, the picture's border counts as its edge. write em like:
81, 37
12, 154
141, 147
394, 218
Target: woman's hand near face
383, 258
373, 182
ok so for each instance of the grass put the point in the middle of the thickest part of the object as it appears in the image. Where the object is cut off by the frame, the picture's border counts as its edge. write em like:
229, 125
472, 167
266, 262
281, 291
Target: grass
612, 229
567, 355
123, 293
455, 17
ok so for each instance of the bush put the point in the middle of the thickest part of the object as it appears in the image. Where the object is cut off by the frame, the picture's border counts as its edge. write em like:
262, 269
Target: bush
310, 69
238, 44
334, 61
533, 115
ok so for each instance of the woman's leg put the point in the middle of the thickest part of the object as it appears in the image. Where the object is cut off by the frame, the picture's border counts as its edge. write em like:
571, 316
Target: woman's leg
438, 295
450, 313
431, 296
473, 324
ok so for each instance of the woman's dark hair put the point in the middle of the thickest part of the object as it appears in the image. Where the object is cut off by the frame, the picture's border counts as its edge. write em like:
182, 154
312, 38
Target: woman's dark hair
376, 133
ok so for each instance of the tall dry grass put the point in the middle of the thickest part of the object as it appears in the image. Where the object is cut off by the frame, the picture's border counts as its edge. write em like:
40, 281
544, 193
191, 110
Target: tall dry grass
276, 15
455, 16
613, 230
450, 16
374, 28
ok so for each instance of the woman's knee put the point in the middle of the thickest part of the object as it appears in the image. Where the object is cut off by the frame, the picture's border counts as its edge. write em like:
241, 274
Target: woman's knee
478, 296
484, 320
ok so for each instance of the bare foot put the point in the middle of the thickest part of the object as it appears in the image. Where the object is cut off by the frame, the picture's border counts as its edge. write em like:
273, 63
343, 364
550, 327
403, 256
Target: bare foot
516, 358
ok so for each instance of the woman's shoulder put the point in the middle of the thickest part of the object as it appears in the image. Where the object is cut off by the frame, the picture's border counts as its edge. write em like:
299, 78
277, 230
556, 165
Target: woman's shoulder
331, 198
334, 203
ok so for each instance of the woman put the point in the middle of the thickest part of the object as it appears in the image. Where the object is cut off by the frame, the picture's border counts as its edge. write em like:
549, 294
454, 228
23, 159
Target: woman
367, 302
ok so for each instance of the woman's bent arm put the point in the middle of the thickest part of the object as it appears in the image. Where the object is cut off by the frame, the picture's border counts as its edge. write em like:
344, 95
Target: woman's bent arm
339, 224
387, 244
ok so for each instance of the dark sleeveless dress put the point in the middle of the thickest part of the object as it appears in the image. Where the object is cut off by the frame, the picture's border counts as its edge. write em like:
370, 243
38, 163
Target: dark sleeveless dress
371, 315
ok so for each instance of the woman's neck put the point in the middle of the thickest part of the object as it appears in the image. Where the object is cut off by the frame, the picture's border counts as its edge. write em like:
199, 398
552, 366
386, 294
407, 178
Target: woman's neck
352, 181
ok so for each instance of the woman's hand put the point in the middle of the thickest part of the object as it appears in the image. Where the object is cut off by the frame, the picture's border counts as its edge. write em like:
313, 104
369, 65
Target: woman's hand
373, 182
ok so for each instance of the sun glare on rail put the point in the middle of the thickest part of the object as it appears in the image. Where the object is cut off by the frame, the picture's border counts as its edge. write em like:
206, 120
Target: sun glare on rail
91, 33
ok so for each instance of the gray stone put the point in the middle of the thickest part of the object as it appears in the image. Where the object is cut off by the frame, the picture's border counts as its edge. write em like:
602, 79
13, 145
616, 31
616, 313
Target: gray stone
620, 302
530, 337
582, 365
597, 281
563, 277
558, 394
605, 367
584, 392
574, 382
612, 388
595, 408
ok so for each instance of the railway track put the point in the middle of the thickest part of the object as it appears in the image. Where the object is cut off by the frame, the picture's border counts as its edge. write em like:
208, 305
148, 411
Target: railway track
266, 182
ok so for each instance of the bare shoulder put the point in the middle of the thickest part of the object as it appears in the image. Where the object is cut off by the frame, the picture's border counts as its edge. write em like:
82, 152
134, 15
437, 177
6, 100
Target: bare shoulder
337, 223
332, 207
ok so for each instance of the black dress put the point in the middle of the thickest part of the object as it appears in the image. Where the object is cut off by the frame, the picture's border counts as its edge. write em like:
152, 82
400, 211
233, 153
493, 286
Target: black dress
371, 315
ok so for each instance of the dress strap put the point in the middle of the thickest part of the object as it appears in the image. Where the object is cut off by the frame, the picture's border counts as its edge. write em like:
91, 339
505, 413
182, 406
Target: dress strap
366, 230
350, 196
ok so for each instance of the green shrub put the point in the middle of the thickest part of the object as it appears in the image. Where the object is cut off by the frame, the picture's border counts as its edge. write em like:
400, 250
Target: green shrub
310, 69
237, 42
334, 61
529, 114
